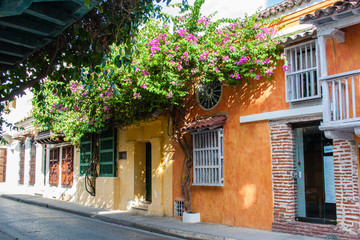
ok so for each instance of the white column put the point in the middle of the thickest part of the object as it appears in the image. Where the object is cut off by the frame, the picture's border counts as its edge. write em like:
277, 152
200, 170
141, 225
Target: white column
60, 167
27, 160
12, 164
75, 170
47, 165
39, 167
324, 85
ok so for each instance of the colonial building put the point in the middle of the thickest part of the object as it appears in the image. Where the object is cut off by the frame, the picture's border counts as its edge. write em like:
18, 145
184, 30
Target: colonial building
282, 155
126, 169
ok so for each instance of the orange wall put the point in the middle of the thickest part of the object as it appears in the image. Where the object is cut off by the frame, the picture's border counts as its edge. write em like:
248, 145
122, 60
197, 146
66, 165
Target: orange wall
246, 198
345, 56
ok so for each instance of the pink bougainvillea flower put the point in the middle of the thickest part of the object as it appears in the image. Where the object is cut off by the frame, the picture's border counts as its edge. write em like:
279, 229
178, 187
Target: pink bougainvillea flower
225, 58
137, 95
144, 86
286, 68
204, 55
169, 94
269, 71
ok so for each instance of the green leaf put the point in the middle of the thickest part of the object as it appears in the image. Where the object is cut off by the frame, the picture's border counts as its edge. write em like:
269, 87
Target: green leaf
100, 9
87, 3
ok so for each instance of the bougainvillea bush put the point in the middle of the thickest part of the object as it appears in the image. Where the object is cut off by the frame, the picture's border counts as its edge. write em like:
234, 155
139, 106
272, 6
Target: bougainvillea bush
156, 71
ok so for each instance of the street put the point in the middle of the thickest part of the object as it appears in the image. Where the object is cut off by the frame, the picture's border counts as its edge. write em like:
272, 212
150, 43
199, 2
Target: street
24, 221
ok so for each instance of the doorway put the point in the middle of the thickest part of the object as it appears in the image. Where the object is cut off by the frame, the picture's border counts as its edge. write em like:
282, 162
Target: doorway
148, 172
316, 199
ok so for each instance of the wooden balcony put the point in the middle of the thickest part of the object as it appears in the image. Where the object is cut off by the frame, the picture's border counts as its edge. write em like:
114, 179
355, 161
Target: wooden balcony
341, 105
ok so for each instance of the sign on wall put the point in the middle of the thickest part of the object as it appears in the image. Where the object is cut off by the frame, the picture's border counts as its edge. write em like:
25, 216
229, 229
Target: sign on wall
329, 180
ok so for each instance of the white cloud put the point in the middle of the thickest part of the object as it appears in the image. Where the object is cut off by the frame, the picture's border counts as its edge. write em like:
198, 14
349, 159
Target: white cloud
226, 8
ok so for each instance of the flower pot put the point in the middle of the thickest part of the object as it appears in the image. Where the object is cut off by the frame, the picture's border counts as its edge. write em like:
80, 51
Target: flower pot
191, 217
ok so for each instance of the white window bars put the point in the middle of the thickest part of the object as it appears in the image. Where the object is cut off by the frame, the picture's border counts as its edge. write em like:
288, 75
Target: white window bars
179, 208
301, 81
208, 156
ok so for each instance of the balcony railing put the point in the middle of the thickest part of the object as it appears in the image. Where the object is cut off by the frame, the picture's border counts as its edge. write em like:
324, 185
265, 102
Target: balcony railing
341, 101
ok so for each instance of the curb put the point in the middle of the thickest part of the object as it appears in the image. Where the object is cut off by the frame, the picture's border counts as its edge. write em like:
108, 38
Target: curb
146, 227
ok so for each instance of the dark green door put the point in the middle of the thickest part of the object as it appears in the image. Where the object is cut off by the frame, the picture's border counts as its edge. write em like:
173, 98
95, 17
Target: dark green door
148, 172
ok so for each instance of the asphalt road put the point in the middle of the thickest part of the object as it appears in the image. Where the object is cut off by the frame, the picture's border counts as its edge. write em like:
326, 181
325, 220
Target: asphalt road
24, 221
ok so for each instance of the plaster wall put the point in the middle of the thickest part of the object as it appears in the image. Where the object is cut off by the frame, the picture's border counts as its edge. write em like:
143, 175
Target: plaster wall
107, 193
246, 199
128, 186
132, 170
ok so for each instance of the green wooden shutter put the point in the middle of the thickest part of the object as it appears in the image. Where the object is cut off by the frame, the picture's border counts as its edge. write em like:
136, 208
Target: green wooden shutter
107, 154
85, 154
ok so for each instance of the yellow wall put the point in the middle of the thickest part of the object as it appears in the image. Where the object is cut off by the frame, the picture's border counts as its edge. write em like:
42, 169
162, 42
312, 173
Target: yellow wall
131, 172
128, 185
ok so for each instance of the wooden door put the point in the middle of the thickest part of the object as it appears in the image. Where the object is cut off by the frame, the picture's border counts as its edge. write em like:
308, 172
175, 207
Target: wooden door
67, 166
32, 163
2, 164
54, 167
22, 163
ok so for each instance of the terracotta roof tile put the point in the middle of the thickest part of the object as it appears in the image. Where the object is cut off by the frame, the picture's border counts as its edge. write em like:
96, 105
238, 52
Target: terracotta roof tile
205, 123
280, 7
300, 35
338, 7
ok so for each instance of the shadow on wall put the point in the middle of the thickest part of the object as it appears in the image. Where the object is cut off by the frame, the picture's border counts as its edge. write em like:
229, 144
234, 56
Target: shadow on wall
106, 196
253, 97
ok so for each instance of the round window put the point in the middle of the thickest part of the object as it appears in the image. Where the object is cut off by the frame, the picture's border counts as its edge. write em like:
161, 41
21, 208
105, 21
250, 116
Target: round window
209, 94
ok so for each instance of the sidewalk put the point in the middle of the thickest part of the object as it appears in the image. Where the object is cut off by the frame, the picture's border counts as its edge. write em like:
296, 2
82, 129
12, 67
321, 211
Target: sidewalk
165, 225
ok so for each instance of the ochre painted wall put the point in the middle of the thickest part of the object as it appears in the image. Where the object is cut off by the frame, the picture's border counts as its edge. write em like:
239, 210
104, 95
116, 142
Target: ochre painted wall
344, 57
131, 171
246, 198
128, 185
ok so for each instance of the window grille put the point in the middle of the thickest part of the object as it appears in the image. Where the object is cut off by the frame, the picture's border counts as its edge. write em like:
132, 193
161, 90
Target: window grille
302, 79
178, 208
208, 158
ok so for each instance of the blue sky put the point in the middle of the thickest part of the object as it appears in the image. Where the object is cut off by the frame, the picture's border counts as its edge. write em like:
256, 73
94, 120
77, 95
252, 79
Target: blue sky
272, 2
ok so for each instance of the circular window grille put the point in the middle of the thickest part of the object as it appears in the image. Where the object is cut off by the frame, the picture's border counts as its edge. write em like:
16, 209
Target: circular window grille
209, 94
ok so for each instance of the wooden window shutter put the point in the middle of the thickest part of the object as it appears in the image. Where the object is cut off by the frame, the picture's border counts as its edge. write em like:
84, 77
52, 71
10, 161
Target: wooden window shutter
85, 154
107, 153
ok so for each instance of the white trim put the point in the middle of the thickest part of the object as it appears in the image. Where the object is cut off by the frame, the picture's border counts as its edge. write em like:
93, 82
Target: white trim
283, 114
